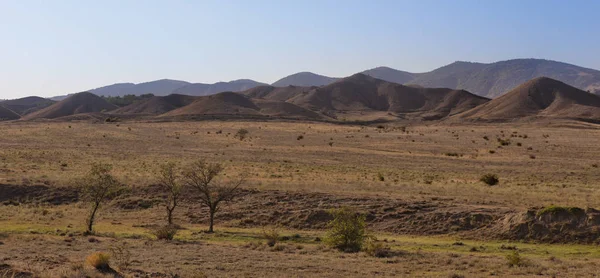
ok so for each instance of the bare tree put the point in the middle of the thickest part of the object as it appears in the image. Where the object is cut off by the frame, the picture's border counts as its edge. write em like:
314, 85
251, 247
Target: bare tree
202, 176
170, 182
96, 187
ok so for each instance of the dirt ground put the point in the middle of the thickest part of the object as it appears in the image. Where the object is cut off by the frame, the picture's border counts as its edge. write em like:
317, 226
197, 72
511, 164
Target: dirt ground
417, 182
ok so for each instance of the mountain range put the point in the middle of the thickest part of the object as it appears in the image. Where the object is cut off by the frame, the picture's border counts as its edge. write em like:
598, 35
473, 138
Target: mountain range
489, 80
359, 97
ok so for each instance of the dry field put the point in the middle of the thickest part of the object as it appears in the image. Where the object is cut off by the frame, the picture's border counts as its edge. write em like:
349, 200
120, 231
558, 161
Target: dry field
417, 183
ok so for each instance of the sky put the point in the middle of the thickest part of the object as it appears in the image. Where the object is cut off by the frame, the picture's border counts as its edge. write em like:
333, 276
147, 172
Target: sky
50, 48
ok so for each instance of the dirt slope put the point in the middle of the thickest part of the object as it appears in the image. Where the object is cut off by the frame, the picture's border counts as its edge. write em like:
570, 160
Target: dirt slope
157, 105
276, 93
76, 104
364, 93
542, 97
26, 105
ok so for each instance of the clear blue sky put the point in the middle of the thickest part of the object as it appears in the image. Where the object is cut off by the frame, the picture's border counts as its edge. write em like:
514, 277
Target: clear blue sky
56, 47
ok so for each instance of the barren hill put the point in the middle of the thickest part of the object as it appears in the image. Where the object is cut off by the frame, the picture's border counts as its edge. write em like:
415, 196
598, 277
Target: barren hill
200, 89
7, 114
541, 96
26, 105
236, 104
75, 104
304, 79
364, 93
156, 105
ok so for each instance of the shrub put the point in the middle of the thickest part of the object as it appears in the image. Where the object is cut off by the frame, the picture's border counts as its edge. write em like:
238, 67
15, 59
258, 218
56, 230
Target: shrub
532, 156
271, 235
503, 142
453, 154
515, 259
167, 232
300, 137
99, 261
492, 151
490, 179
380, 177
486, 138
346, 230
376, 248
241, 134
557, 209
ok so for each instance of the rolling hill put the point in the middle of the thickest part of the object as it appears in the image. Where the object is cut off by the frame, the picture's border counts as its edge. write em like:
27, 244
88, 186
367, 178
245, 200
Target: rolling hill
26, 105
539, 97
237, 104
201, 89
363, 93
75, 104
156, 105
304, 79
7, 114
391, 75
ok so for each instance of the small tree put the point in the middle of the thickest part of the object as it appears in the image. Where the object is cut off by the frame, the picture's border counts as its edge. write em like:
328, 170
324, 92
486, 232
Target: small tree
170, 182
346, 230
96, 187
201, 176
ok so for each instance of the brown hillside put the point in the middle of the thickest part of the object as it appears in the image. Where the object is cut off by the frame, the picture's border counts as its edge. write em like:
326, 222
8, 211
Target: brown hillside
364, 93
284, 109
542, 97
7, 114
26, 105
219, 104
157, 105
76, 104
276, 93
236, 104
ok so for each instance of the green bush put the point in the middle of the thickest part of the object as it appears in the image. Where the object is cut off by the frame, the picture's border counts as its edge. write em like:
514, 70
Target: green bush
346, 230
490, 179
515, 259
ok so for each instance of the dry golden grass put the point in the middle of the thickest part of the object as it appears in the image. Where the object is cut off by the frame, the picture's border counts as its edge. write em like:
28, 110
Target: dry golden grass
289, 156
412, 163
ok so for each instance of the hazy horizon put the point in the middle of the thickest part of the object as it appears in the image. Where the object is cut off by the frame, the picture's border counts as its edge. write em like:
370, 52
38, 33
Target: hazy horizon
56, 48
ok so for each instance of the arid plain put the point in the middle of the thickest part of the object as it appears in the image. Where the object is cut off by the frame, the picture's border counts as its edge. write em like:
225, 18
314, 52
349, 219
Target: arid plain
418, 183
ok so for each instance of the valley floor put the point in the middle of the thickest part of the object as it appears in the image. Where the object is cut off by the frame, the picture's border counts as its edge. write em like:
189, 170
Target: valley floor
418, 184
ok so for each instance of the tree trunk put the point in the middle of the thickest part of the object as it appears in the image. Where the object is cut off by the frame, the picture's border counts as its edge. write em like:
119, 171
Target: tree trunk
170, 215
92, 217
212, 221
